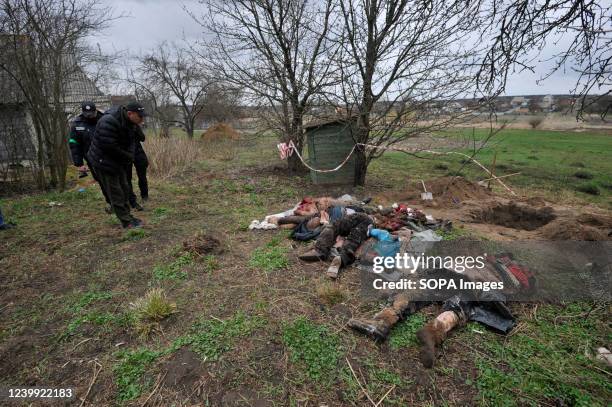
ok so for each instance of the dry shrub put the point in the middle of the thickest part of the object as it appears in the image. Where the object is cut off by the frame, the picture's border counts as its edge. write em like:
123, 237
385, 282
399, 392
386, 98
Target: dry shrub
535, 122
171, 156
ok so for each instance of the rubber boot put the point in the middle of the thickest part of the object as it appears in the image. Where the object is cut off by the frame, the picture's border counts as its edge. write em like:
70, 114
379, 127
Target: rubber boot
312, 255
379, 327
334, 268
433, 334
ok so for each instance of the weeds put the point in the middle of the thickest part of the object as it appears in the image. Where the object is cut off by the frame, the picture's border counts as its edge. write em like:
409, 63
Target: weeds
452, 234
404, 333
546, 361
97, 318
211, 263
589, 188
209, 338
88, 298
270, 257
314, 348
174, 270
128, 372
134, 235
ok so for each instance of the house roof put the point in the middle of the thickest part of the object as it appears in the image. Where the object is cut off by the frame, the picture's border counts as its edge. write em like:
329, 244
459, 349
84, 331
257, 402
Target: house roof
327, 121
77, 88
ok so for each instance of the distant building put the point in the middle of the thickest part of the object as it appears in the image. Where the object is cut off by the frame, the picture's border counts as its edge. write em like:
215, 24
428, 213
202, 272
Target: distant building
547, 103
519, 101
17, 135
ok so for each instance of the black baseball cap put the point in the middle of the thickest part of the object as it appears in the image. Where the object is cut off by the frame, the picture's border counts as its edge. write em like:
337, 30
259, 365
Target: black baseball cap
88, 106
136, 107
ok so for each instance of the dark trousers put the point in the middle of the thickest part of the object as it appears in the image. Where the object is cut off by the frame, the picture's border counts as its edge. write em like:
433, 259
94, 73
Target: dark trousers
354, 227
143, 184
95, 176
117, 190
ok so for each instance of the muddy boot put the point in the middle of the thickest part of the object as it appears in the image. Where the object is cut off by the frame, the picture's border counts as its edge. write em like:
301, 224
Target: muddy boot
334, 268
312, 255
377, 328
433, 334
374, 328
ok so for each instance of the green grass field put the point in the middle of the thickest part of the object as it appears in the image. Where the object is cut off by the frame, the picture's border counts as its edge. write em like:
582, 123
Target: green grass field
553, 164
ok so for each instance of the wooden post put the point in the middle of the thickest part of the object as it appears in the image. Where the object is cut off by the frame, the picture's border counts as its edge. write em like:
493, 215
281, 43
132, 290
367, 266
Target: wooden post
492, 169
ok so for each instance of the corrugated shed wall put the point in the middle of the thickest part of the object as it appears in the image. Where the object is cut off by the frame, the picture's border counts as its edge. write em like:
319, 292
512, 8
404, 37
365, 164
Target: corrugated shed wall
328, 146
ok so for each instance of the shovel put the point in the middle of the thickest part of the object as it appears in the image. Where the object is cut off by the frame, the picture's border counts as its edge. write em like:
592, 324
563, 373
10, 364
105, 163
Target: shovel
425, 196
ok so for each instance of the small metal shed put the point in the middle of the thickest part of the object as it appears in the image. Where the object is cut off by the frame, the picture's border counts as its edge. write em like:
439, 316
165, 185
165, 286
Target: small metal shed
329, 143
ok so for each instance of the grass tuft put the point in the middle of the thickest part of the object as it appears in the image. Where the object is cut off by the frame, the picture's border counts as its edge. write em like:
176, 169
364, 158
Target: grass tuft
330, 294
150, 310
589, 188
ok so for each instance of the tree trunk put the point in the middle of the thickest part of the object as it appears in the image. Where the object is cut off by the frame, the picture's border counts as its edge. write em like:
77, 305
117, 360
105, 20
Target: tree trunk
295, 165
297, 136
189, 130
361, 166
361, 161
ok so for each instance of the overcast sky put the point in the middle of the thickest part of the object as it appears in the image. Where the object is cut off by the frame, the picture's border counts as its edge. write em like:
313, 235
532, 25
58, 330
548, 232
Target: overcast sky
149, 22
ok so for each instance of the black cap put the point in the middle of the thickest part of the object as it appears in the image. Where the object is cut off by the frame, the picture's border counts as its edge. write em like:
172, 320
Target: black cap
136, 107
88, 106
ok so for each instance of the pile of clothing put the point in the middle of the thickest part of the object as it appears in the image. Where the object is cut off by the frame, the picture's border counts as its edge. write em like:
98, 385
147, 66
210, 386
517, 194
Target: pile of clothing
341, 225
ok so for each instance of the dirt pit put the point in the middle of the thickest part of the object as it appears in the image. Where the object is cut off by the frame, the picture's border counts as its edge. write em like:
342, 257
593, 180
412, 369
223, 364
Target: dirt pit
516, 216
203, 245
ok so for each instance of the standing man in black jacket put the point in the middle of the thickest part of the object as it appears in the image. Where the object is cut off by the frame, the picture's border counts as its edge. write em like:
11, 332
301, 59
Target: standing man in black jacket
112, 152
81, 133
141, 162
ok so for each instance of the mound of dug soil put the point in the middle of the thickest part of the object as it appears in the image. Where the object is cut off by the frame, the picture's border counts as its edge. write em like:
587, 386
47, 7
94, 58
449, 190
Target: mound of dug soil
203, 245
570, 229
220, 132
184, 369
448, 190
516, 216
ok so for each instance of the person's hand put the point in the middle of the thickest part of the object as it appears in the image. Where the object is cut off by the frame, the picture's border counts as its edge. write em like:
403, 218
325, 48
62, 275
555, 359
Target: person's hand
83, 168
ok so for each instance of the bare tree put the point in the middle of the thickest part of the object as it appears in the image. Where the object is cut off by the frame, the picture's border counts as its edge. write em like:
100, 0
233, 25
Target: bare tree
175, 70
221, 104
402, 63
516, 32
157, 98
41, 43
276, 52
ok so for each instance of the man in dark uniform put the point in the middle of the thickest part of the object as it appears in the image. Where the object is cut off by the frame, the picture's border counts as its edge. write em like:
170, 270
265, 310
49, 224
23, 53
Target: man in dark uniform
81, 132
112, 152
141, 162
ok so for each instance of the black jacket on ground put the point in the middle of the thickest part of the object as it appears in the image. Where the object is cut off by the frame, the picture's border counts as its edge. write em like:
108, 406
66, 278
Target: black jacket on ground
114, 142
81, 133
